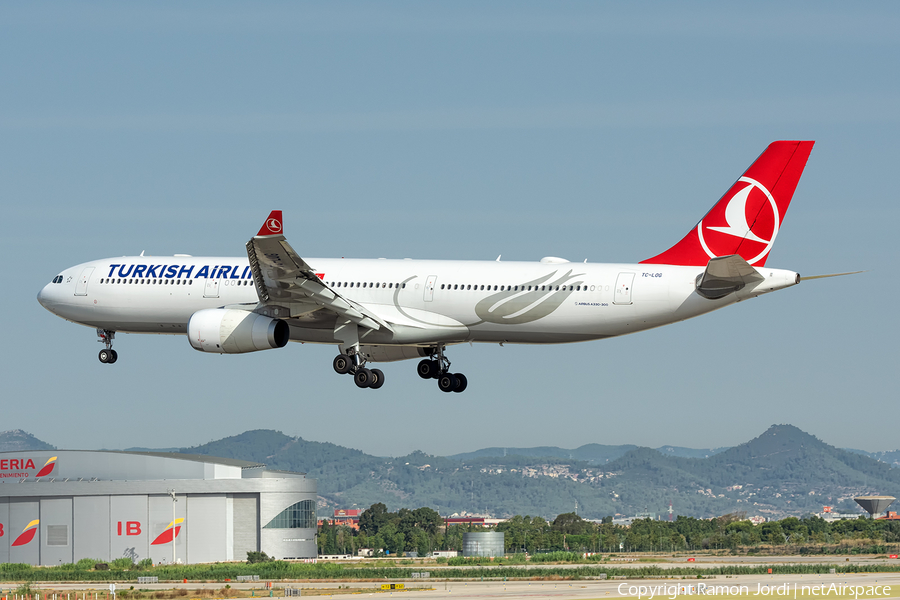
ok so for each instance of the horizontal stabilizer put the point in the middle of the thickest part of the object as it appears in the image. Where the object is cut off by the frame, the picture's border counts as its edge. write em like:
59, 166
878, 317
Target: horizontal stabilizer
725, 275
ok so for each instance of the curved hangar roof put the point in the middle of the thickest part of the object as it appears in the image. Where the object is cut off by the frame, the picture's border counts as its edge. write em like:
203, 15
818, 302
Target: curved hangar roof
103, 465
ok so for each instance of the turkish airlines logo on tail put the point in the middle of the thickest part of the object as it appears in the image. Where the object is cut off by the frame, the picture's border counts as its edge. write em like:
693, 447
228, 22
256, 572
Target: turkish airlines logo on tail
27, 534
751, 215
47, 468
274, 225
169, 533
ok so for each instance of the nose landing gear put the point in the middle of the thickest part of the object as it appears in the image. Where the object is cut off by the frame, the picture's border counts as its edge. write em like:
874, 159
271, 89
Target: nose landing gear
107, 355
438, 367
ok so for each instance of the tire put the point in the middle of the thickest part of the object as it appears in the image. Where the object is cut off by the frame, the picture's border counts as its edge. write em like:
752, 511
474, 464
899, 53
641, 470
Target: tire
342, 364
425, 369
447, 382
379, 379
363, 378
461, 383
105, 356
435, 369
115, 356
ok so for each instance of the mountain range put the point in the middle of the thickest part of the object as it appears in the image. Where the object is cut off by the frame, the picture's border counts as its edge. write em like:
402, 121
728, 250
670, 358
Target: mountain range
783, 472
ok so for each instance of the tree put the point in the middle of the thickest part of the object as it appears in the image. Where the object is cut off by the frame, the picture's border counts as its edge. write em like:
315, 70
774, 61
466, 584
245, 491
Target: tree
570, 523
374, 518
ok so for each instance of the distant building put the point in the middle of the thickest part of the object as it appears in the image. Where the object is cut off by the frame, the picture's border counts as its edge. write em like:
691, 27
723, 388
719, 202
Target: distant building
348, 517
483, 521
833, 516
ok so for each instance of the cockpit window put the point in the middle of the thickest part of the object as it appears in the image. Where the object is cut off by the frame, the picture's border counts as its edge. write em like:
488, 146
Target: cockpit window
58, 279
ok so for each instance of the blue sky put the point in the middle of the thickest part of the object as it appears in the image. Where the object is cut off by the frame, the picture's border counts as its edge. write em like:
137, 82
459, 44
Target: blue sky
459, 131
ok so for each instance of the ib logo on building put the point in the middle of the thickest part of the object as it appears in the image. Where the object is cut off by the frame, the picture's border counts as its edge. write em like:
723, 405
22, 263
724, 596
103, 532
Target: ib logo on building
27, 534
169, 533
47, 468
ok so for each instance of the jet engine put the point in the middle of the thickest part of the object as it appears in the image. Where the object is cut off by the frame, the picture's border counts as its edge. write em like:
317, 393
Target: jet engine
230, 331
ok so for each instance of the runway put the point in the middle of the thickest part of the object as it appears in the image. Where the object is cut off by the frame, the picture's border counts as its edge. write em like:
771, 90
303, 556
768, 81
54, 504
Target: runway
766, 587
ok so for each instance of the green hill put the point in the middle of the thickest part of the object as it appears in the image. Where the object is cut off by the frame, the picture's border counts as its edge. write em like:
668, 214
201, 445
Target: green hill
782, 472
17, 440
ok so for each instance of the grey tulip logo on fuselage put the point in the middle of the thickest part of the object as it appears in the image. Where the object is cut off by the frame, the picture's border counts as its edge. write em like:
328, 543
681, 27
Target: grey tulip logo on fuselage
529, 302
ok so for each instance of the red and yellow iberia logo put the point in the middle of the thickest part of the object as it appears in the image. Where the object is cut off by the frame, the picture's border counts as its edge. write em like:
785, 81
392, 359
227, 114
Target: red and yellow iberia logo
169, 533
27, 534
47, 468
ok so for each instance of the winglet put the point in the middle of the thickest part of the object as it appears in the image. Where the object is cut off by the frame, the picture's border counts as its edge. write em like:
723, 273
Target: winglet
273, 224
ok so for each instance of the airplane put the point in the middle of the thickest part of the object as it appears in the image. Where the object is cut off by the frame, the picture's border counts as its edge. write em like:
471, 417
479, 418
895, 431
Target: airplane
380, 310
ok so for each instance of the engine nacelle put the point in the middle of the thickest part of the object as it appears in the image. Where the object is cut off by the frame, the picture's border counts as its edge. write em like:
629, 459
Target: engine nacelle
392, 353
230, 331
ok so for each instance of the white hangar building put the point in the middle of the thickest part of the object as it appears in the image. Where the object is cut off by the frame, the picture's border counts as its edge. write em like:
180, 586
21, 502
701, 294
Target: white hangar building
58, 507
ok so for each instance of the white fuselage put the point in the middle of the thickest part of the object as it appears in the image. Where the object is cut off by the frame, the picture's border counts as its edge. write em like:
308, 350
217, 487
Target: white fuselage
427, 301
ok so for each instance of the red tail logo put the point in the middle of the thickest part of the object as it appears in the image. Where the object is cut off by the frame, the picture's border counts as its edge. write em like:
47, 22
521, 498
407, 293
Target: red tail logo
272, 226
746, 220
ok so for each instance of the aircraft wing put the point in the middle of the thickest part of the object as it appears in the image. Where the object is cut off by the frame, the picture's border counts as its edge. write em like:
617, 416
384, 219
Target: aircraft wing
284, 279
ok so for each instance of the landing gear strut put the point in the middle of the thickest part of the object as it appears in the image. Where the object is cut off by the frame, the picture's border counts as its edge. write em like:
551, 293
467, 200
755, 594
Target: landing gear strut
107, 355
355, 364
438, 367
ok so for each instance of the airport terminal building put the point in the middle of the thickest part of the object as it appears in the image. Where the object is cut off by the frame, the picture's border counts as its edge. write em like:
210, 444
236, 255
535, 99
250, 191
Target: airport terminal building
58, 507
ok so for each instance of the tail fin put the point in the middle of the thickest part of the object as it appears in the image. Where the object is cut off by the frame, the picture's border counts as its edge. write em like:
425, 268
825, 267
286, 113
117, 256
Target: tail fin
273, 224
747, 218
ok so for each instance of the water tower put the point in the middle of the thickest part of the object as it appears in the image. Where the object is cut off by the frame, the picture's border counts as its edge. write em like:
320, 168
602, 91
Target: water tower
874, 505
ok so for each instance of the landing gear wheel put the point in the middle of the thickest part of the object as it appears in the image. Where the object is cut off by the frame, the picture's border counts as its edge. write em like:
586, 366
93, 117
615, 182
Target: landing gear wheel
447, 382
363, 378
105, 356
461, 383
379, 379
115, 356
427, 369
342, 364
435, 369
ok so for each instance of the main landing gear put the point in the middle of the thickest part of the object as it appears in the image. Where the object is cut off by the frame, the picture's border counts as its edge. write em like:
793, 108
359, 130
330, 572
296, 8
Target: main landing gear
107, 355
354, 364
438, 367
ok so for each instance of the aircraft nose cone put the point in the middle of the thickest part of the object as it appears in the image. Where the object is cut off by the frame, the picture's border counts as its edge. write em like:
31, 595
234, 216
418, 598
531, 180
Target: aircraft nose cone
46, 297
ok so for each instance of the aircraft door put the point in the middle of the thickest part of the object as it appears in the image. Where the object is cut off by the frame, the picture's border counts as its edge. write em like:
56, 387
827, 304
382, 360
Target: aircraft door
81, 284
212, 288
429, 287
623, 288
